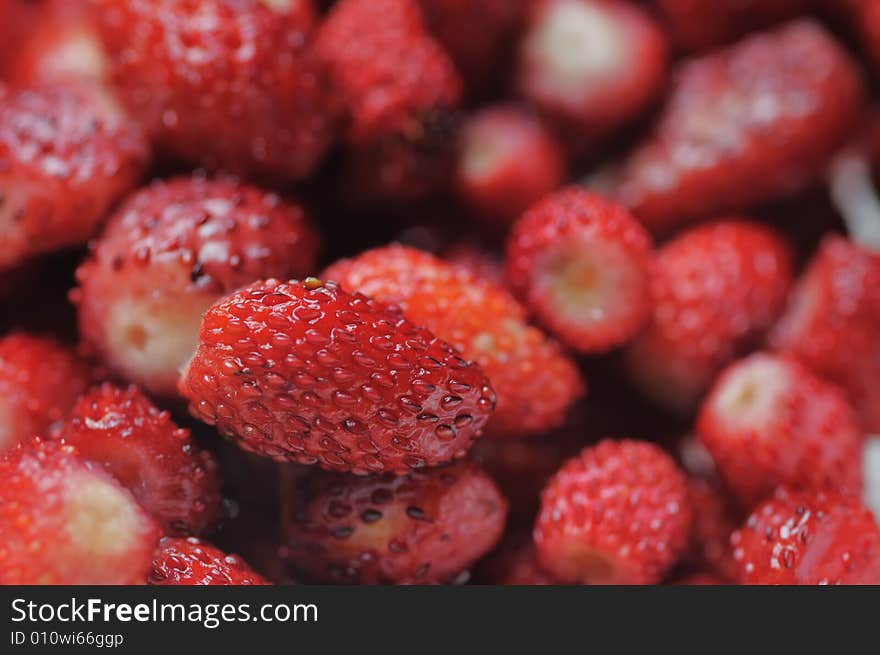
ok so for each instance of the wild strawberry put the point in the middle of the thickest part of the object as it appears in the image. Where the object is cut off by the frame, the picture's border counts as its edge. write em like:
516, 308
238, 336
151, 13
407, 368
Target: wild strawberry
40, 381
193, 562
698, 25
65, 523
479, 36
158, 462
507, 161
713, 522
744, 125
476, 260
65, 162
715, 290
534, 381
808, 538
167, 254
615, 514
206, 80
768, 421
514, 562
307, 372
425, 527
832, 323
590, 65
19, 19
581, 264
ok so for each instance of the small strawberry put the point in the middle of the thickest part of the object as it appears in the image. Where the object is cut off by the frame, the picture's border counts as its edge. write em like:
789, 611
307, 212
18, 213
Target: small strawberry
158, 462
307, 372
713, 522
226, 84
168, 253
715, 290
475, 259
832, 323
514, 562
40, 381
507, 161
768, 421
193, 562
425, 527
66, 160
615, 514
699, 25
808, 538
590, 65
534, 381
65, 523
748, 124
581, 265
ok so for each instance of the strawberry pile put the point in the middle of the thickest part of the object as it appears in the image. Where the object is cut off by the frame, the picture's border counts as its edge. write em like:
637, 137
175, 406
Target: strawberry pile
439, 292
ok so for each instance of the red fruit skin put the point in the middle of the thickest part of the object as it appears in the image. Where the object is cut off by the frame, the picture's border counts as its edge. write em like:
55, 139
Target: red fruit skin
40, 380
768, 421
481, 263
507, 160
808, 538
699, 25
865, 18
307, 372
832, 323
748, 124
699, 580
611, 69
615, 514
158, 462
513, 563
193, 562
19, 19
65, 523
479, 36
713, 522
386, 68
573, 256
67, 160
533, 379
423, 528
171, 251
206, 81
715, 290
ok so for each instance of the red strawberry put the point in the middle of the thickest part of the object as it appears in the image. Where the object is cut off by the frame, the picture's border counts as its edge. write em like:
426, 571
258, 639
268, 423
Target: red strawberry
40, 381
768, 421
581, 265
745, 125
19, 19
64, 523
167, 254
425, 527
713, 522
808, 538
142, 448
715, 290
514, 562
476, 260
222, 83
832, 323
193, 562
590, 65
307, 372
535, 382
65, 162
699, 25
699, 580
615, 514
507, 160
479, 36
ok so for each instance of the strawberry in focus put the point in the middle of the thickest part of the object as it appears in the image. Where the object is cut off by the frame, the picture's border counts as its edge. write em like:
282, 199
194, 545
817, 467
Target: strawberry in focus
158, 462
808, 538
40, 380
307, 372
615, 514
715, 290
193, 562
534, 381
425, 527
581, 263
64, 523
